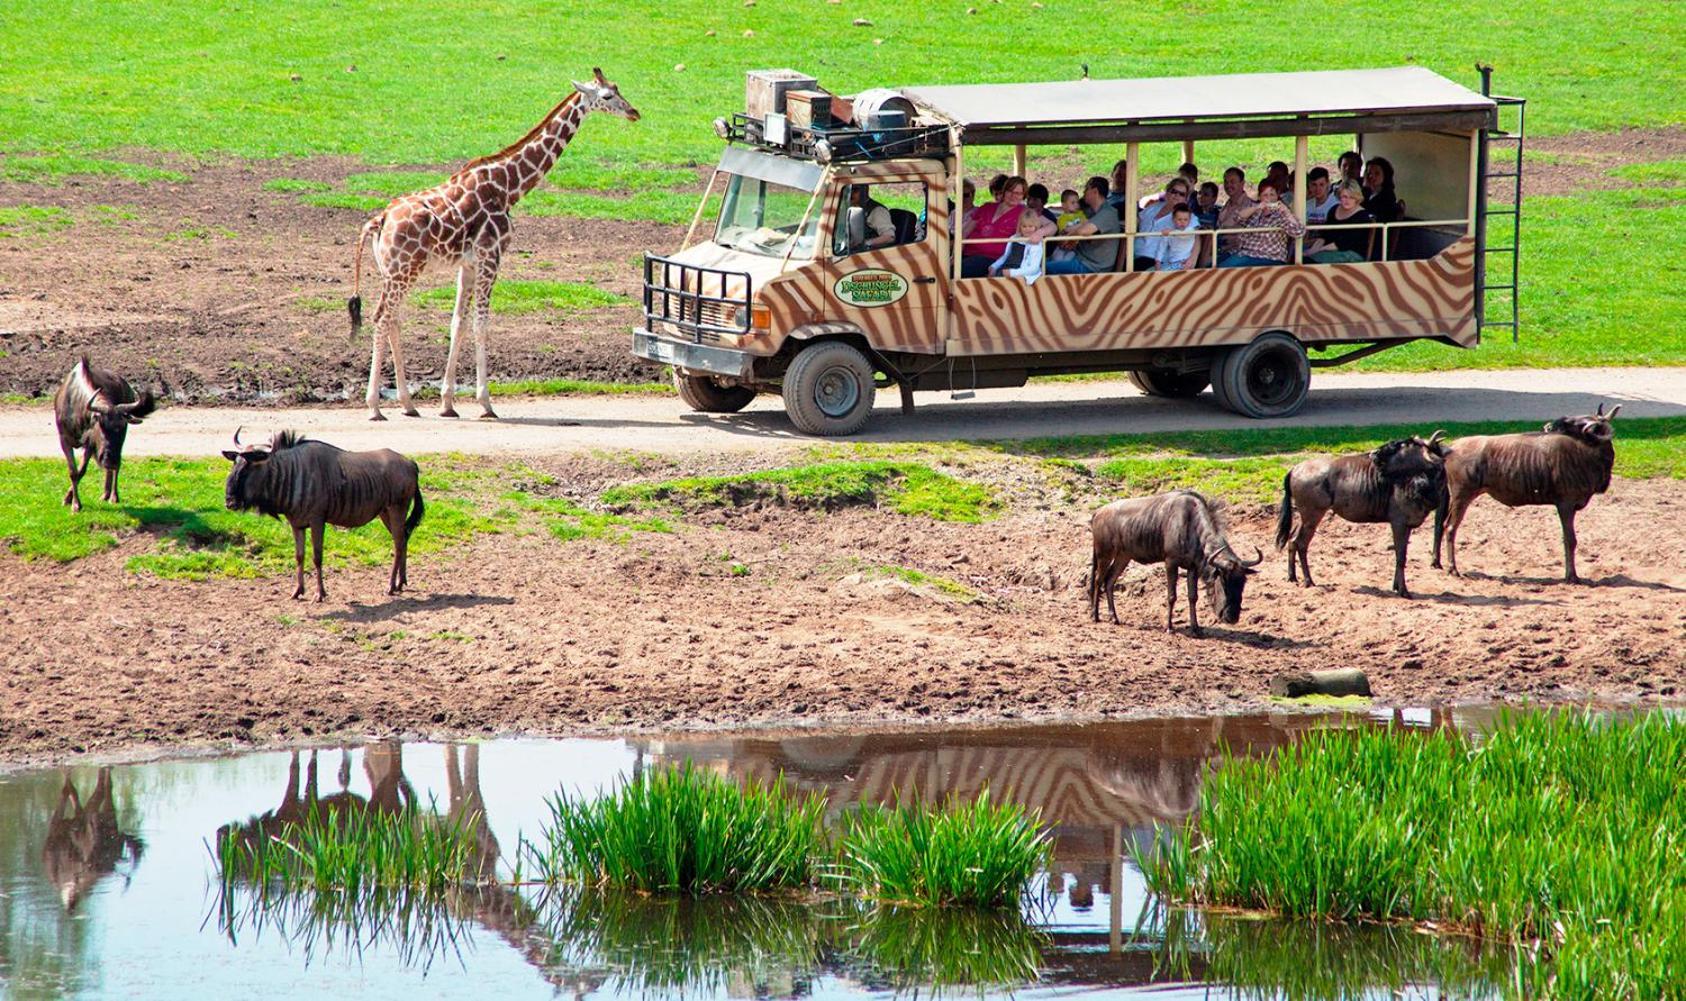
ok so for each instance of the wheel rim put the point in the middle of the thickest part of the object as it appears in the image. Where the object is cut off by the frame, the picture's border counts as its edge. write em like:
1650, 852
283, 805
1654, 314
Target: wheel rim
837, 391
1273, 378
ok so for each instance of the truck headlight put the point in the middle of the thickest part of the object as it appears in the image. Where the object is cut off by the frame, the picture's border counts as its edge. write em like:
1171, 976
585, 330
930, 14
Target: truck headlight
753, 317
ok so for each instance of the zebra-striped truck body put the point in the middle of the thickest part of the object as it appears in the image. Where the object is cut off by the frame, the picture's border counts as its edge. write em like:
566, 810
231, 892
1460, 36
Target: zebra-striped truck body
783, 296
312, 484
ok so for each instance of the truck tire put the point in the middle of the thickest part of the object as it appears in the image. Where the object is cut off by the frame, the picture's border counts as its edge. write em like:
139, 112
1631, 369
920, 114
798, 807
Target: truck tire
1269, 377
706, 396
1164, 382
828, 390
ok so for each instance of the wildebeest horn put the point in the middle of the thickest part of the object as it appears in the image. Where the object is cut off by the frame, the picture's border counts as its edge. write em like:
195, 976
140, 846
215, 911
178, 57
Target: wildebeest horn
1436, 436
237, 435
1613, 411
1255, 561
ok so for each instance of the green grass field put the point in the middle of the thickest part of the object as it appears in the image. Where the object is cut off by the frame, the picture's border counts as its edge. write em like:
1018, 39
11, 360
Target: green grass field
409, 83
267, 80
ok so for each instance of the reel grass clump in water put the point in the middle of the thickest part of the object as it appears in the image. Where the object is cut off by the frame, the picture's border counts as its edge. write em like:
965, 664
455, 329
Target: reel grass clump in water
1563, 834
980, 854
352, 851
683, 830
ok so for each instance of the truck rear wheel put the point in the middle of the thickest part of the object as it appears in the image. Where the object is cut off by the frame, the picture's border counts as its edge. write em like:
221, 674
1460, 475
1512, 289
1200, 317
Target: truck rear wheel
1165, 382
828, 389
706, 395
1269, 377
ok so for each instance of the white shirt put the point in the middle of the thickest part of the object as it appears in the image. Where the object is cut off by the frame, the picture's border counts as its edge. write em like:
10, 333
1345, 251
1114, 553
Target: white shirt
1319, 211
1174, 251
1030, 268
1154, 218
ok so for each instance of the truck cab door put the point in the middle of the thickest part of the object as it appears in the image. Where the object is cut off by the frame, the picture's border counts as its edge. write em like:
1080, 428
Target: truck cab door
898, 292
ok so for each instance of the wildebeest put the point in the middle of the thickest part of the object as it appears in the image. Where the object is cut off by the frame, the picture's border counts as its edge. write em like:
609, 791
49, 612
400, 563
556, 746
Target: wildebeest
93, 409
1399, 483
1180, 529
1563, 464
313, 484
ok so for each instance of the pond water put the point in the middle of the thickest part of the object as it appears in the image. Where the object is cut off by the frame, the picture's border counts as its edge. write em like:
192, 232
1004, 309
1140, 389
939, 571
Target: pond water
108, 888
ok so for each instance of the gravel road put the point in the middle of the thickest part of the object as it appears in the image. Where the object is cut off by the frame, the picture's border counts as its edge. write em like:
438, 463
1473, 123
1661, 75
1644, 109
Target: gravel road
664, 425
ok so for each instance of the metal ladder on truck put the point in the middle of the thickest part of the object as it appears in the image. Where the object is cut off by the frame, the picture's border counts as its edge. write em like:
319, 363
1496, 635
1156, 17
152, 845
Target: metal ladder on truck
1485, 210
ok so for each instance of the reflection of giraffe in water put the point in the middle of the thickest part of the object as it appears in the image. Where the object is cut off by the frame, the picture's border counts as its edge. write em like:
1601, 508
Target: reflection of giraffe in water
84, 842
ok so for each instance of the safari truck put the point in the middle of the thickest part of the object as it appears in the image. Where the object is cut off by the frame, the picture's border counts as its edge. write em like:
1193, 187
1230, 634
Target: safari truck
783, 295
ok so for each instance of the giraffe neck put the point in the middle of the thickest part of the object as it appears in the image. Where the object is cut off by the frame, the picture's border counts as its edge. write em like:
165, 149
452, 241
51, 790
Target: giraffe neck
531, 159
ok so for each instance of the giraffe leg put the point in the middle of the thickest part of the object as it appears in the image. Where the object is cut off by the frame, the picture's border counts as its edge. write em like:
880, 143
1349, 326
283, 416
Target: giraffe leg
465, 290
378, 345
396, 344
485, 277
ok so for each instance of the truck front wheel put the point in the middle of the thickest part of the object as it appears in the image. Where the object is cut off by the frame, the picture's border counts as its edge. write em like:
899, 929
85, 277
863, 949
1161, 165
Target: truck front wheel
828, 389
705, 395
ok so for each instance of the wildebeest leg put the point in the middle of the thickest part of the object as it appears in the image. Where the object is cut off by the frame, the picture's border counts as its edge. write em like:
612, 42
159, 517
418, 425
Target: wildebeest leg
109, 495
1309, 520
1401, 539
1114, 571
1193, 602
1095, 570
486, 275
316, 555
298, 559
393, 517
71, 496
1454, 516
1171, 597
1440, 524
1566, 515
465, 291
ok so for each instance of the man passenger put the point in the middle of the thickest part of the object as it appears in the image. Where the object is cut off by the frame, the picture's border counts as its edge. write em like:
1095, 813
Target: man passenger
1351, 166
870, 225
1318, 198
1235, 190
1270, 231
1092, 256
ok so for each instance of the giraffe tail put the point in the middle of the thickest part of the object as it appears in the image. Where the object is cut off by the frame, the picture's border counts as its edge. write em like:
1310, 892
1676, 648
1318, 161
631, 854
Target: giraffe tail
354, 305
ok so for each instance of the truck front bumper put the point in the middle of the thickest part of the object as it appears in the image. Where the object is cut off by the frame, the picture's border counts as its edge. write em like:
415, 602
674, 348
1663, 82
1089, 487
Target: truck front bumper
691, 356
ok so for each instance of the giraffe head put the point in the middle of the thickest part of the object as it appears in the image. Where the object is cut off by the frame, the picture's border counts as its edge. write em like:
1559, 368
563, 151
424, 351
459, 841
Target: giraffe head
598, 94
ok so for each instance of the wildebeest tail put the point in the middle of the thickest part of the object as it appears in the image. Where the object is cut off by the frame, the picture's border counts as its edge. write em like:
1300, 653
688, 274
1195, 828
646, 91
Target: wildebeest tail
417, 509
1285, 514
354, 305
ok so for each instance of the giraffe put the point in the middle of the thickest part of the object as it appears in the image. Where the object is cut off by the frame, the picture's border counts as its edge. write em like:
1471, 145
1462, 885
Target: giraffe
464, 222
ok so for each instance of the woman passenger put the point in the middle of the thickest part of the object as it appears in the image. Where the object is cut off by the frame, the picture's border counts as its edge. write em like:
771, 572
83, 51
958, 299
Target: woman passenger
1379, 198
1344, 246
996, 222
1270, 227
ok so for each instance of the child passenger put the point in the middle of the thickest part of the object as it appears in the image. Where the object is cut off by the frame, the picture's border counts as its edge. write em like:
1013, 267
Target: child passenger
1206, 206
1176, 250
1023, 256
1071, 212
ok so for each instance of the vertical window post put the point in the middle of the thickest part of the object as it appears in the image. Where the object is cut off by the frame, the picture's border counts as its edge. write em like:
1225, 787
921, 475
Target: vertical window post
1131, 184
958, 194
1300, 147
1018, 160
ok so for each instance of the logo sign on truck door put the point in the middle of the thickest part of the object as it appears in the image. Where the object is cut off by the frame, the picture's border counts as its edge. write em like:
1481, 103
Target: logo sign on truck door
871, 287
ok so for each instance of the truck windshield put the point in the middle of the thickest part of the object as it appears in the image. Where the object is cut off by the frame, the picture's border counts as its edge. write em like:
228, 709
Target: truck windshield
761, 217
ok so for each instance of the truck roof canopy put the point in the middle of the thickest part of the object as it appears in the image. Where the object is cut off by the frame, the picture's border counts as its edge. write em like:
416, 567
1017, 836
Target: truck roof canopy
1236, 106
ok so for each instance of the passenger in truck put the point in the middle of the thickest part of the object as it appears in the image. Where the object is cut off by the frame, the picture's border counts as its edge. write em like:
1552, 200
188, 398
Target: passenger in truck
1024, 254
1270, 228
1318, 198
1156, 216
870, 225
1092, 256
1351, 166
1379, 197
1235, 190
1036, 196
994, 222
1344, 246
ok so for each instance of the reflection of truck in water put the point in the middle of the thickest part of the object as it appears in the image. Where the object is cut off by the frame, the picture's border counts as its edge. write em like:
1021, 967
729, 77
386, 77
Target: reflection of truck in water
795, 294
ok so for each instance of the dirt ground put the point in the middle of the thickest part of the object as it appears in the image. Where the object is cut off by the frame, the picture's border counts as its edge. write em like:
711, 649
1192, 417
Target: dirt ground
253, 310
749, 617
219, 291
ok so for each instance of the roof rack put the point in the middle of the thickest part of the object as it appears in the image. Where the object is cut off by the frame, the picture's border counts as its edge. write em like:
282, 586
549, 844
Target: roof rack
841, 144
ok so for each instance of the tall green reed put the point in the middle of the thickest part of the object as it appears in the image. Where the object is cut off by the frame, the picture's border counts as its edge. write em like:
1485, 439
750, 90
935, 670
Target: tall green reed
680, 829
981, 853
1562, 833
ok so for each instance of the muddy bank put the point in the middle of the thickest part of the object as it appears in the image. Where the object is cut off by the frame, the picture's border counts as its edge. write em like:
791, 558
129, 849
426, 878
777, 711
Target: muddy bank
779, 617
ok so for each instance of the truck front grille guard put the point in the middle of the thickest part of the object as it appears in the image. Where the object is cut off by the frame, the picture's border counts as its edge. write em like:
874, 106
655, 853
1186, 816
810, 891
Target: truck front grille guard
695, 299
